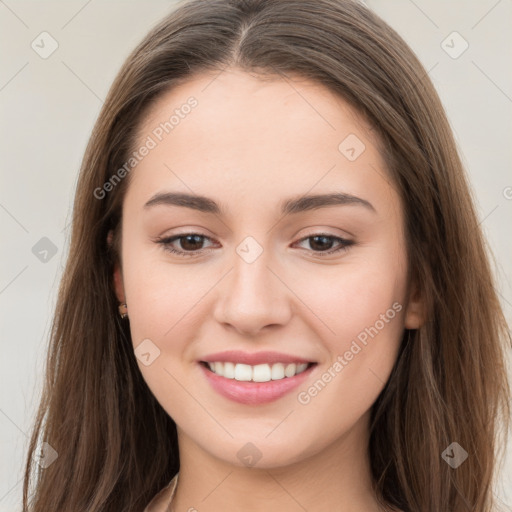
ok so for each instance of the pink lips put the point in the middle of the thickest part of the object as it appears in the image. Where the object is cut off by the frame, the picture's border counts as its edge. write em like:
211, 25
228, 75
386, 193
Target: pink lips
248, 392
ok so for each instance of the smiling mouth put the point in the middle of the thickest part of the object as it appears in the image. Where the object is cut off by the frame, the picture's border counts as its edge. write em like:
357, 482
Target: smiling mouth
256, 373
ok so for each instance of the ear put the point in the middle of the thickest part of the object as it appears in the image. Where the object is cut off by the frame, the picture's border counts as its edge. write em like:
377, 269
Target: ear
118, 275
118, 283
415, 314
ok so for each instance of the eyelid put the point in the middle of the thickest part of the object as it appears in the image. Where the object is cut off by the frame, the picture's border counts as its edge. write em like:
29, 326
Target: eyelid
166, 242
326, 231
345, 243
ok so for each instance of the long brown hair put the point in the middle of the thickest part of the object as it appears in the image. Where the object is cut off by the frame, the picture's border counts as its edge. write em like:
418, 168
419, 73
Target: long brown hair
116, 445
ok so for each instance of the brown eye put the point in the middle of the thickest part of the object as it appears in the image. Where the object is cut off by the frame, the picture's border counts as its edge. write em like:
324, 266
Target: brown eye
321, 244
188, 244
191, 242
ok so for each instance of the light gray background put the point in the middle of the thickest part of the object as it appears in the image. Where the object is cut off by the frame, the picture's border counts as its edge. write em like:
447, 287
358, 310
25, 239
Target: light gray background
48, 107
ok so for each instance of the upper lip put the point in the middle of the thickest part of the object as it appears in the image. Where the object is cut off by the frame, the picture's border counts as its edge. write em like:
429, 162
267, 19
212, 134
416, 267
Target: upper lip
254, 358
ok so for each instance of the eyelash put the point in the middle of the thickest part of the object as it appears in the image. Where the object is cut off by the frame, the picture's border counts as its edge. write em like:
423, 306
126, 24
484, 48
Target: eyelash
166, 243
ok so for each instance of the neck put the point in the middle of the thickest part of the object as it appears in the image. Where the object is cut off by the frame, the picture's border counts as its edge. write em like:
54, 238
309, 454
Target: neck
337, 478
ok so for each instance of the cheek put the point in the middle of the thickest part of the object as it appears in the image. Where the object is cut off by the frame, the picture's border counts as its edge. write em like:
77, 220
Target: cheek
165, 307
360, 311
362, 355
350, 298
160, 294
361, 362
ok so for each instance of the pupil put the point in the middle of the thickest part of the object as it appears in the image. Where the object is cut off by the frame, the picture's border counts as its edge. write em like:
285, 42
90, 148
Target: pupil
191, 241
324, 245
194, 239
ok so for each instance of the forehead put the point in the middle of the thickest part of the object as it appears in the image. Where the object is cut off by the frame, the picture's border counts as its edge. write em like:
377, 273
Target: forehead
260, 136
239, 103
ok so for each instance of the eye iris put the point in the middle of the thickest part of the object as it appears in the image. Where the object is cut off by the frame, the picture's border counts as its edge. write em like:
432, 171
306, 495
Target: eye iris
325, 244
196, 239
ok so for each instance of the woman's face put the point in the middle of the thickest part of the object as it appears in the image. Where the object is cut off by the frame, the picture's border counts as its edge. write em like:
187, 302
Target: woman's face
297, 255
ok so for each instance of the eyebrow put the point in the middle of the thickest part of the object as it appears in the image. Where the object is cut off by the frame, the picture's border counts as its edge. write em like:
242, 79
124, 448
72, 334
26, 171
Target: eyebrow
293, 205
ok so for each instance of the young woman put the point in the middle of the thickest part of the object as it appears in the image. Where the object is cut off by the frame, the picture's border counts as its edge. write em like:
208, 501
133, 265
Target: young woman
277, 295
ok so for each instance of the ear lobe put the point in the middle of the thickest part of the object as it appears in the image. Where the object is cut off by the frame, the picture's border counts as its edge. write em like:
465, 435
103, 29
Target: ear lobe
118, 283
415, 312
118, 276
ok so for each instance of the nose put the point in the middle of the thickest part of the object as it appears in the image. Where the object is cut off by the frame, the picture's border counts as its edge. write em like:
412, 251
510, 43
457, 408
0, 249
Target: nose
253, 297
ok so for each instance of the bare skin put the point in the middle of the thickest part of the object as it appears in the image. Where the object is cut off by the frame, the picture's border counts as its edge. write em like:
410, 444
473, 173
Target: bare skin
249, 145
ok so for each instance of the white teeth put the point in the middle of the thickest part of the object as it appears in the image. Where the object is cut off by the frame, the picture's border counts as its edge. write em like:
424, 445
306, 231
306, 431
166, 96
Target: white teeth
289, 371
257, 373
243, 372
277, 371
301, 367
261, 373
229, 371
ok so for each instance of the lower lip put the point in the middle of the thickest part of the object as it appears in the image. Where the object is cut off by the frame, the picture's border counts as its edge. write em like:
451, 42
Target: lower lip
254, 393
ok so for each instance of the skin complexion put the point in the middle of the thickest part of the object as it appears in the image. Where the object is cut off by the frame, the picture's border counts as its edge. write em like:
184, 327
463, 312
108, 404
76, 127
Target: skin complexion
260, 270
